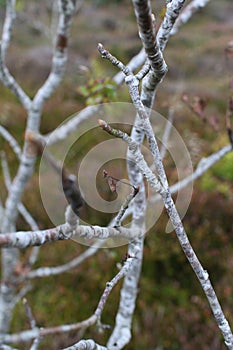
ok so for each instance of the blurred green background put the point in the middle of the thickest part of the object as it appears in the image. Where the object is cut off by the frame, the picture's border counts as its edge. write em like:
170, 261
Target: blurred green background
172, 312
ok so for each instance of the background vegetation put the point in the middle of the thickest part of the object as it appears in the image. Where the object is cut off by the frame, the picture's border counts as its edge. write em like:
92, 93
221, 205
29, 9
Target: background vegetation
172, 312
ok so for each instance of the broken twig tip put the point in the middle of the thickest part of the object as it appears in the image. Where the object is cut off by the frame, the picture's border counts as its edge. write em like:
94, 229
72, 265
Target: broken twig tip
100, 47
102, 51
101, 123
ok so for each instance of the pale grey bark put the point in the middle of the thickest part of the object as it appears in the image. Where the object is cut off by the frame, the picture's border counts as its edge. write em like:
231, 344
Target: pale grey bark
121, 334
36, 333
86, 345
122, 331
11, 141
187, 13
142, 10
173, 9
27, 160
204, 165
57, 270
151, 74
24, 239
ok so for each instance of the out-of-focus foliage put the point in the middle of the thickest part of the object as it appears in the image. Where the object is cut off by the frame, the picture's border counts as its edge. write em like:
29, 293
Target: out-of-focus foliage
106, 2
98, 90
172, 312
224, 168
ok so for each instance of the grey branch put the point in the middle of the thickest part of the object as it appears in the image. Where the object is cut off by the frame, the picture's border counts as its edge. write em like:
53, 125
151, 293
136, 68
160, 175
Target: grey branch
166, 133
24, 239
133, 64
56, 270
8, 80
201, 274
36, 333
12, 141
86, 345
7, 347
110, 285
163, 34
135, 154
172, 12
204, 165
22, 209
7, 26
187, 13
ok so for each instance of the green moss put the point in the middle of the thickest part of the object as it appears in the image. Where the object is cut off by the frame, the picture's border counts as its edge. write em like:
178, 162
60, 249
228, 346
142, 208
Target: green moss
224, 168
208, 182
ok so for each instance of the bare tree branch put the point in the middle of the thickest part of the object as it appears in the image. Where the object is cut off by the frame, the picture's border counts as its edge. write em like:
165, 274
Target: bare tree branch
158, 67
87, 345
166, 133
6, 347
172, 12
229, 116
204, 165
187, 13
149, 77
201, 274
7, 26
28, 157
23, 211
6, 78
133, 64
56, 270
24, 239
36, 333
12, 141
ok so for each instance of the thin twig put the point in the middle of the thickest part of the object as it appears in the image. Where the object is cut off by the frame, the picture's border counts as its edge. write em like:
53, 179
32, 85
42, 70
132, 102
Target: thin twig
143, 71
36, 333
106, 54
23, 291
23, 211
187, 13
229, 116
204, 165
56, 270
110, 285
124, 207
29, 314
137, 156
167, 133
11, 140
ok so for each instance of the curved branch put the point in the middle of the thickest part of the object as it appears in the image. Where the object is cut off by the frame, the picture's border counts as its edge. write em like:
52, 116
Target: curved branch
56, 270
187, 13
204, 165
67, 10
36, 333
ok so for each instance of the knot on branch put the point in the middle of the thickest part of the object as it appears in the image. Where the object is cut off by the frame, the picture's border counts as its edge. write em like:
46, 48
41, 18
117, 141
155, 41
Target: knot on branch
102, 50
61, 43
132, 80
67, 7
